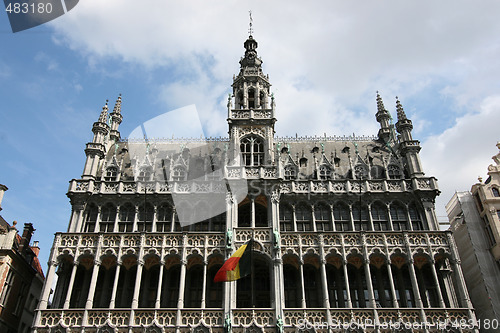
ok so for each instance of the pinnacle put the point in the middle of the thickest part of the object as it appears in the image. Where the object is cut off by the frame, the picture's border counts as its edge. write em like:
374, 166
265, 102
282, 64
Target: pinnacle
103, 118
118, 105
380, 104
399, 109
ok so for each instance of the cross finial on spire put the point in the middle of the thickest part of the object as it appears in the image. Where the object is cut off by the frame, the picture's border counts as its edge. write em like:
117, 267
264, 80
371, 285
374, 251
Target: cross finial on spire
250, 29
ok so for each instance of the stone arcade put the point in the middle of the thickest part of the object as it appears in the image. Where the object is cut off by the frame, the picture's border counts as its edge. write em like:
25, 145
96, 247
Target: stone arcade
346, 237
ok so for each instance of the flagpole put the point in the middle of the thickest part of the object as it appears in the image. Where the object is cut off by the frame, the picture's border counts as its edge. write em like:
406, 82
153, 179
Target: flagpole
252, 274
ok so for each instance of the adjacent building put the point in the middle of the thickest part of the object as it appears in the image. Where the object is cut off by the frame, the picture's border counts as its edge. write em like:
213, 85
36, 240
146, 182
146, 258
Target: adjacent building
475, 222
345, 233
21, 276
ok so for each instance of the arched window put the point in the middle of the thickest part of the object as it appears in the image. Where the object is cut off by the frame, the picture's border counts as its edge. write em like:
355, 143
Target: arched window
218, 222
194, 286
144, 174
261, 295
214, 290
426, 283
495, 192
341, 217
336, 284
312, 286
251, 98
108, 217
179, 174
149, 282
292, 286
360, 172
324, 172
379, 217
81, 283
398, 217
402, 282
286, 218
164, 218
393, 171
380, 282
416, 220
111, 174
323, 217
245, 215
91, 218
252, 151
360, 217
260, 215
127, 214
303, 217
63, 277
104, 285
126, 283
357, 283
290, 172
170, 286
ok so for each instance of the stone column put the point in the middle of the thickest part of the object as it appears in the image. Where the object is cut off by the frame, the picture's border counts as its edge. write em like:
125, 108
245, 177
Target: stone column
324, 284
436, 281
302, 289
134, 226
48, 285
252, 212
115, 285
117, 218
160, 282
414, 283
97, 220
93, 281
346, 279
313, 219
70, 286
137, 286
351, 218
366, 264
182, 282
395, 303
204, 285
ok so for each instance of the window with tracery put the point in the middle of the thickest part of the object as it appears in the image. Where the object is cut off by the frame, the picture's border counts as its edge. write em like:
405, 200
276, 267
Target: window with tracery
286, 217
127, 215
108, 217
164, 218
303, 218
398, 217
91, 218
379, 217
144, 174
111, 174
394, 171
145, 218
179, 174
324, 172
290, 172
322, 217
360, 218
416, 220
252, 151
341, 217
360, 172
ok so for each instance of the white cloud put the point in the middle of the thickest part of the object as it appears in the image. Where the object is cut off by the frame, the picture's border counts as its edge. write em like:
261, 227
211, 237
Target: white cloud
462, 153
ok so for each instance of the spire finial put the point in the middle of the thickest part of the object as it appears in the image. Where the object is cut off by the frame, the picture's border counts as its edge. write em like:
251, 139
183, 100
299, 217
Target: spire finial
118, 105
399, 109
380, 104
250, 29
103, 118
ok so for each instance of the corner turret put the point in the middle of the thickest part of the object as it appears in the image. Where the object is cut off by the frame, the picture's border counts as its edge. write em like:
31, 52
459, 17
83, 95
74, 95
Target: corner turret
408, 147
116, 119
96, 149
384, 118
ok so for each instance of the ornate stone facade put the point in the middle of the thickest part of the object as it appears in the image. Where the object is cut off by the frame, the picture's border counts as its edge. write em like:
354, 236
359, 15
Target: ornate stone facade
346, 237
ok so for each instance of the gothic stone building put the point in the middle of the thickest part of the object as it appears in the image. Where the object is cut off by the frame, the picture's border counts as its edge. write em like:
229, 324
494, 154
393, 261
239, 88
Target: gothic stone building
344, 228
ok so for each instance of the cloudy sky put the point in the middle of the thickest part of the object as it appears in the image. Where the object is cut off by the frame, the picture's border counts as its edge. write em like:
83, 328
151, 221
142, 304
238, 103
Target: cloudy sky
325, 59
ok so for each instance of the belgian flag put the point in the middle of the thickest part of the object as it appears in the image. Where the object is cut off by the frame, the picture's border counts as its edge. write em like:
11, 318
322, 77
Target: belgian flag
238, 266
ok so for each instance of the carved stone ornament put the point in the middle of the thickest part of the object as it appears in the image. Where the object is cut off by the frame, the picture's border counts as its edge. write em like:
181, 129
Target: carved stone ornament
58, 329
254, 329
106, 329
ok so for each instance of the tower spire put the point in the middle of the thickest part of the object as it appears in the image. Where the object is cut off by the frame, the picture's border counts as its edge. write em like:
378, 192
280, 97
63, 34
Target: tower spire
400, 110
116, 119
103, 118
383, 117
250, 28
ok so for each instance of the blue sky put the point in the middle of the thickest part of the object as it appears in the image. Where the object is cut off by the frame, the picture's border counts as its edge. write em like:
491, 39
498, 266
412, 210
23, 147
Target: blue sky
325, 63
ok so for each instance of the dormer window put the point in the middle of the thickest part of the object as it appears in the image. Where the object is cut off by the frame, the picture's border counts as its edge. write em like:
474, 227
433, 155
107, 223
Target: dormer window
290, 172
144, 174
324, 172
111, 174
179, 174
303, 162
394, 172
252, 151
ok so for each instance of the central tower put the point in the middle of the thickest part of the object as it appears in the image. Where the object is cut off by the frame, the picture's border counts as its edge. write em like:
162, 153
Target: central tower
251, 120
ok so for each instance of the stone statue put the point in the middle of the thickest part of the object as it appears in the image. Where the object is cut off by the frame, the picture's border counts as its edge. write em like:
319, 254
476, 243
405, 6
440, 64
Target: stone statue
279, 325
229, 239
227, 324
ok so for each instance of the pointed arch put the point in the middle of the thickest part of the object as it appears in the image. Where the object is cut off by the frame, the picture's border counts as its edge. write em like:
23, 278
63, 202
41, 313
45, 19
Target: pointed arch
342, 217
398, 216
252, 150
380, 217
322, 217
91, 213
126, 218
286, 217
